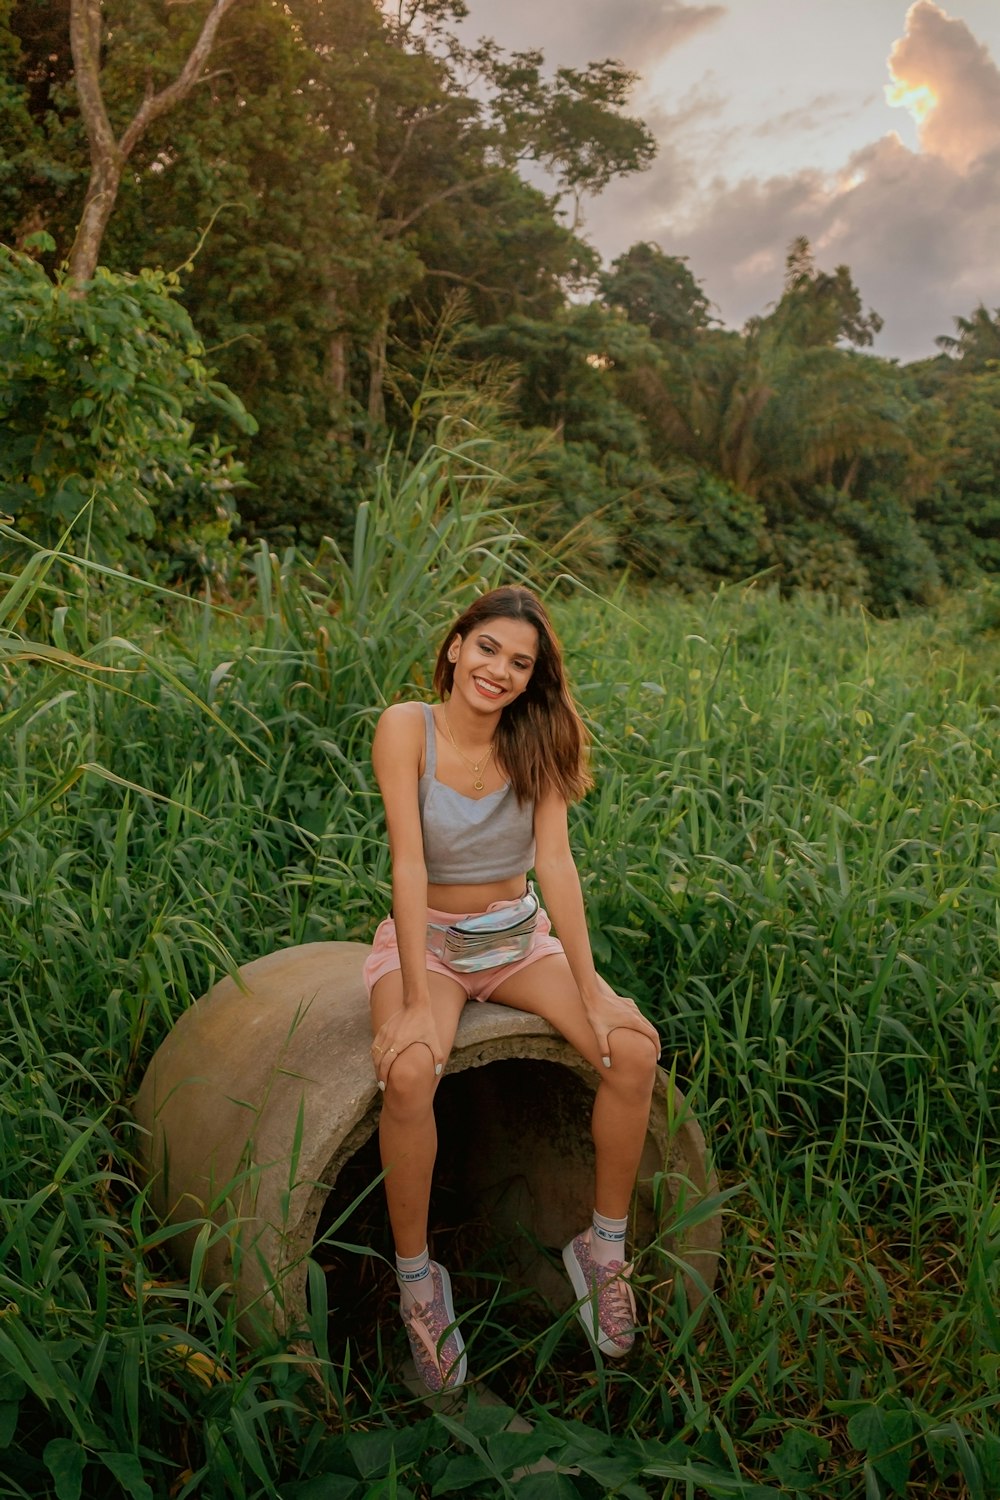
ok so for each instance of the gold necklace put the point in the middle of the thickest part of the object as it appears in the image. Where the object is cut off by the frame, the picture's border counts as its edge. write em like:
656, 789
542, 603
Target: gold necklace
476, 767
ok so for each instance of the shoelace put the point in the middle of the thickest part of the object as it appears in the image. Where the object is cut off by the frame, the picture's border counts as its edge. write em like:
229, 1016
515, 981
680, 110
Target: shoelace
436, 1345
618, 1293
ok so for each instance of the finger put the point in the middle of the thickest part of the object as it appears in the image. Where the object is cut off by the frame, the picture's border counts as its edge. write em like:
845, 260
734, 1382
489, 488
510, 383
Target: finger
603, 1045
385, 1062
643, 1028
434, 1048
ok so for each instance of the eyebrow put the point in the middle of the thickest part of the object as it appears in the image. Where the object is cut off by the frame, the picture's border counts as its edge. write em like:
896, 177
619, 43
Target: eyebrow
524, 655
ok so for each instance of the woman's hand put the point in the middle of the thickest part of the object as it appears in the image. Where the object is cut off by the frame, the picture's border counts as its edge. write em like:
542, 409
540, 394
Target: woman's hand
608, 1011
405, 1027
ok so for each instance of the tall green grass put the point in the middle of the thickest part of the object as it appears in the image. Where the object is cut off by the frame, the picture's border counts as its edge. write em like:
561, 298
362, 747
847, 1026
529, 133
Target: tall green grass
790, 859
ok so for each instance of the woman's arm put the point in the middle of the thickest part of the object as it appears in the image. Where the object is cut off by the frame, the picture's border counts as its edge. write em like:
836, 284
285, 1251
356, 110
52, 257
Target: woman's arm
396, 753
559, 879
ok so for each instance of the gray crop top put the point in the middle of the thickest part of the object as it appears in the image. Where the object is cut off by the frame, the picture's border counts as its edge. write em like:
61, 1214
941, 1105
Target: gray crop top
471, 840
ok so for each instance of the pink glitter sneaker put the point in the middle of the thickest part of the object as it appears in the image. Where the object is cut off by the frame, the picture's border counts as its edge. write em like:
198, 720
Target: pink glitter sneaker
438, 1350
607, 1306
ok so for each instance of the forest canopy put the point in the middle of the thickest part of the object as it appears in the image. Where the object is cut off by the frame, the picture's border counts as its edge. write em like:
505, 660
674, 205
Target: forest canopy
311, 219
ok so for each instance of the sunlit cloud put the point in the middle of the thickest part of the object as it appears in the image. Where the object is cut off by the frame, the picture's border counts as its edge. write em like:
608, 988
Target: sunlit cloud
918, 101
949, 83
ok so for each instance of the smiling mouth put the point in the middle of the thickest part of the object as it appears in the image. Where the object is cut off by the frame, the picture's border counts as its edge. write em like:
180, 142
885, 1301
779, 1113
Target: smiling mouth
490, 688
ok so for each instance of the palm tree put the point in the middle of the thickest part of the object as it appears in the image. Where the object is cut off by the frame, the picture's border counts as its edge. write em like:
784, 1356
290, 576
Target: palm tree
977, 341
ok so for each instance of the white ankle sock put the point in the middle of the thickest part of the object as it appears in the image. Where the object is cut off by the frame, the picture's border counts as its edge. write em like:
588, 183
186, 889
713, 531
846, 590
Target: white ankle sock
607, 1238
413, 1272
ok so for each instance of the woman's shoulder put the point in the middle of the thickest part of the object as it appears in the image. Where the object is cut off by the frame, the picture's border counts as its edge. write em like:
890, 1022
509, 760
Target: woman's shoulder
402, 723
410, 713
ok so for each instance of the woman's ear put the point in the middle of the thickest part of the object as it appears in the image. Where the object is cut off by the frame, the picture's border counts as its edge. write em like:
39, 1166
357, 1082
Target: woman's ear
454, 648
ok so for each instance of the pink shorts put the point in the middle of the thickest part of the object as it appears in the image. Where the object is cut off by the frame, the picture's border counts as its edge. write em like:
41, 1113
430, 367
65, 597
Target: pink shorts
384, 956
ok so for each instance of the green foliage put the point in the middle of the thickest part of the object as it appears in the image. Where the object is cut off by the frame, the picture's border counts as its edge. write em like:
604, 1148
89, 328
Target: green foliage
900, 564
658, 292
726, 530
566, 375
976, 342
96, 396
813, 554
818, 309
43, 156
349, 168
344, 169
961, 514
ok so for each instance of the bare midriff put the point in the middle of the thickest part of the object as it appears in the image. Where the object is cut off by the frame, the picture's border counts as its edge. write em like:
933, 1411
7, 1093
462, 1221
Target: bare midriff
472, 898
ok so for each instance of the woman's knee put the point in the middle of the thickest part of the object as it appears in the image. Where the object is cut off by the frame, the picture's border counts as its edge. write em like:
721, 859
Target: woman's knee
633, 1060
409, 1087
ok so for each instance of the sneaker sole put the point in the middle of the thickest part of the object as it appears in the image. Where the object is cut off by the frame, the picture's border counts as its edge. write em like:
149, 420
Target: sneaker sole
459, 1371
588, 1305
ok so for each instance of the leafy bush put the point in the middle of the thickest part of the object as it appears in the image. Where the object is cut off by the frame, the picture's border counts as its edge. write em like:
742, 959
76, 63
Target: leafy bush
897, 557
727, 529
98, 394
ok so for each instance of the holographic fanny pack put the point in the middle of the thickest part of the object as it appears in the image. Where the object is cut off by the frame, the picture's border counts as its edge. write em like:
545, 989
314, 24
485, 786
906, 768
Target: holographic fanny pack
489, 939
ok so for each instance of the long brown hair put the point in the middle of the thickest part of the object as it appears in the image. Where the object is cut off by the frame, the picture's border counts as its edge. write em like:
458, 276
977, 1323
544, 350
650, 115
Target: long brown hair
541, 741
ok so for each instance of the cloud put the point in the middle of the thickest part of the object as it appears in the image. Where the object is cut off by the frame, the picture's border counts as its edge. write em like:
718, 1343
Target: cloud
636, 32
817, 114
919, 236
951, 84
635, 208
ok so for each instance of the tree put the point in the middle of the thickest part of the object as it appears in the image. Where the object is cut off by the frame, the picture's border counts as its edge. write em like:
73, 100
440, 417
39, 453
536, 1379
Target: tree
658, 292
110, 152
977, 340
357, 181
819, 309
960, 512
337, 171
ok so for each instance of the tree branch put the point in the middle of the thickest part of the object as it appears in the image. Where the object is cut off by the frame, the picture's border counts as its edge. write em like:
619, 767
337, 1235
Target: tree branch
155, 105
399, 226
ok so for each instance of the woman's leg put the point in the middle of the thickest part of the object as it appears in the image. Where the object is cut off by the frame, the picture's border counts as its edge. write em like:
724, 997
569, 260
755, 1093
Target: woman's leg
621, 1105
407, 1132
595, 1258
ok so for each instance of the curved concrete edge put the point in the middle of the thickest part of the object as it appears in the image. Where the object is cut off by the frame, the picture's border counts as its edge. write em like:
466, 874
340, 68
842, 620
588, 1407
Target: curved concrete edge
264, 1090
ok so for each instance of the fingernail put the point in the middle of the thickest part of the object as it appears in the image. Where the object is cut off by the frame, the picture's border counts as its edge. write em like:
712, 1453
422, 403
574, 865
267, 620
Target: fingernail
381, 1084
437, 1070
606, 1061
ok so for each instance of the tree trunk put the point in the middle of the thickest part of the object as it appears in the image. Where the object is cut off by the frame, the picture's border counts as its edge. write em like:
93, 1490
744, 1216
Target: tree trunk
336, 367
851, 475
336, 379
102, 191
377, 360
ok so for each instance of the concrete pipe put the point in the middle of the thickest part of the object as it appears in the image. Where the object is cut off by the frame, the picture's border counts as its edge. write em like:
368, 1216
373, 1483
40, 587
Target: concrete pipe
258, 1116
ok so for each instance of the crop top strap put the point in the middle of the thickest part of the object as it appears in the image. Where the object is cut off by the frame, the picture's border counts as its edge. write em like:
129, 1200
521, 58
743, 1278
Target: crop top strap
430, 744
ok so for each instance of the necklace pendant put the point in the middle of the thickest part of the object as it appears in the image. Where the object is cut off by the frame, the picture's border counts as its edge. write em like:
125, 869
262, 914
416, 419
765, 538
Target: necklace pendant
479, 784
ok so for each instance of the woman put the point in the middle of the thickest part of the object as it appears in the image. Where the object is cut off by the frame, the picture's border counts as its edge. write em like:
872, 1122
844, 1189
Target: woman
476, 791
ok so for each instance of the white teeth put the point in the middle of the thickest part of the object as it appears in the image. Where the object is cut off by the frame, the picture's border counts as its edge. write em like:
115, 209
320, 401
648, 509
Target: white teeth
488, 687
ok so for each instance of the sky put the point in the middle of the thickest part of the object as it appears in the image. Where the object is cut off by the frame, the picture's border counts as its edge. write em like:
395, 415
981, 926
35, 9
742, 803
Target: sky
869, 126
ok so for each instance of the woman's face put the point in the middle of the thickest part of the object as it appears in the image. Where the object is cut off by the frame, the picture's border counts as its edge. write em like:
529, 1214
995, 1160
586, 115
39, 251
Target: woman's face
494, 662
